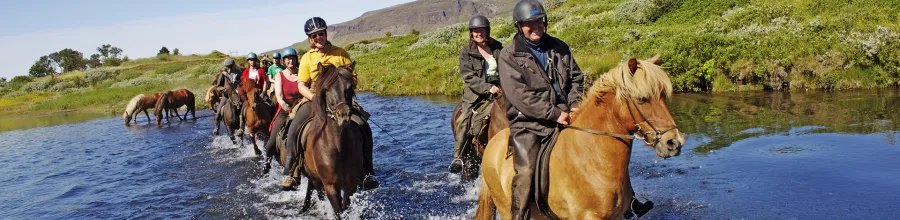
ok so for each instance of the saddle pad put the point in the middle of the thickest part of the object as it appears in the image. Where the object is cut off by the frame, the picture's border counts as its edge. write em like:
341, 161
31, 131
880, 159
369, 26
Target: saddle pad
542, 174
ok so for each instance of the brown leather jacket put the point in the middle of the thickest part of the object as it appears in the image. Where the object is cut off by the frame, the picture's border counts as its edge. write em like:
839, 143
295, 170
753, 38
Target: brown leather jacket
471, 66
531, 102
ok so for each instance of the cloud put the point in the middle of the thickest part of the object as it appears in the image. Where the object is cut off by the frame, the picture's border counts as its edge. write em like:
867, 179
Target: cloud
240, 30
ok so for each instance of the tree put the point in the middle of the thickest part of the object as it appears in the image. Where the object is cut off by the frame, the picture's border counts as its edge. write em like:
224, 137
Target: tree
415, 32
388, 34
126, 59
42, 67
109, 55
68, 60
175, 52
94, 61
162, 51
2, 81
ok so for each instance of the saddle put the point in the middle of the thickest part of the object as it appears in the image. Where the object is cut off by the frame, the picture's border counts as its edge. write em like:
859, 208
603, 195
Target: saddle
542, 174
358, 116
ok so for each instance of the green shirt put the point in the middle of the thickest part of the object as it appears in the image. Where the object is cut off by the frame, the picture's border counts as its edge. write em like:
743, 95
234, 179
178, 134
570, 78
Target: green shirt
274, 70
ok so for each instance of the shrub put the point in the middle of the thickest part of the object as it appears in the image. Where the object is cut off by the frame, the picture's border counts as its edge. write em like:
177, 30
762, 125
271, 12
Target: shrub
643, 11
39, 86
440, 37
93, 76
59, 87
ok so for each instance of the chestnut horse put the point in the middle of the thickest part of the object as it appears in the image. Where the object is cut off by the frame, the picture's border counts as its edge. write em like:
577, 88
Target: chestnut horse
172, 100
141, 103
472, 153
334, 151
257, 114
213, 97
589, 163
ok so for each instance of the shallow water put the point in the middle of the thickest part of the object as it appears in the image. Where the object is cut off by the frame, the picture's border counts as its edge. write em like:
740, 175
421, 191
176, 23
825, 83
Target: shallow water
751, 155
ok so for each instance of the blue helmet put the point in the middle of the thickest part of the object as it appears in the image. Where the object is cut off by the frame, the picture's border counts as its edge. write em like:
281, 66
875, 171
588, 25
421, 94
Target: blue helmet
288, 52
276, 55
251, 56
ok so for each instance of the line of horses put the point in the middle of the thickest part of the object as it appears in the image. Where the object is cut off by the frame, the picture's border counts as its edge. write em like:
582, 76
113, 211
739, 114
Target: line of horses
588, 168
161, 102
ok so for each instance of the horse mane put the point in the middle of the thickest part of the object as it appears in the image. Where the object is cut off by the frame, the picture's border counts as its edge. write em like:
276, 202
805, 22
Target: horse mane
634, 79
328, 75
132, 105
160, 103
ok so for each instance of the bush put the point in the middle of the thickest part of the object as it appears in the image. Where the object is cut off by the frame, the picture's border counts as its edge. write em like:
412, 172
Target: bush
442, 37
17, 82
216, 53
39, 86
93, 76
643, 11
59, 87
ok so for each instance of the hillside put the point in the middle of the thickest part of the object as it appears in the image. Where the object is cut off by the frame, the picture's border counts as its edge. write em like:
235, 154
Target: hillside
717, 45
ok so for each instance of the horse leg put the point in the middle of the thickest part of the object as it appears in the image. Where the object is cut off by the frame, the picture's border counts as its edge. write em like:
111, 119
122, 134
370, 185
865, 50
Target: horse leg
334, 197
177, 115
348, 191
255, 147
145, 114
309, 191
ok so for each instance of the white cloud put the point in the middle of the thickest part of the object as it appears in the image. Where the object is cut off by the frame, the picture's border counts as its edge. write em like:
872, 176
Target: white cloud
239, 30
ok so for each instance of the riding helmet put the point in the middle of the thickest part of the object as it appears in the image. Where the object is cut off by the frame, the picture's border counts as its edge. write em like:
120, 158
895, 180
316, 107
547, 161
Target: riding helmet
314, 25
287, 52
228, 62
480, 22
251, 56
276, 55
529, 10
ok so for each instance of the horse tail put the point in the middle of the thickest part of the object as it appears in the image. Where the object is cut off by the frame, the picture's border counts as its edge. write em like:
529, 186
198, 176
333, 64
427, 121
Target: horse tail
486, 205
132, 105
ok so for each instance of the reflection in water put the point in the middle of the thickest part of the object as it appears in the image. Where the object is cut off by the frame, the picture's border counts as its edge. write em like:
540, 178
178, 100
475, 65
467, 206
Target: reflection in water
9, 123
726, 118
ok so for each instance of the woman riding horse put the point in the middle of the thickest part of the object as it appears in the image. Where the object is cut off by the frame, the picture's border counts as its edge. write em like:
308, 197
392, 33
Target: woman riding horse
478, 67
287, 94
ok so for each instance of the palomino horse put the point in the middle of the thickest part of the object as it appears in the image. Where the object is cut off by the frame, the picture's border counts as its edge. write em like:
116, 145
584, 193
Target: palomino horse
257, 114
212, 98
334, 152
472, 153
589, 163
172, 100
140, 103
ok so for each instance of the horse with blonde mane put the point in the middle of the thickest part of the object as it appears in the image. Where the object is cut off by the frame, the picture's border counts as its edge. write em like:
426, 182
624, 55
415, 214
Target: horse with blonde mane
588, 167
213, 98
140, 103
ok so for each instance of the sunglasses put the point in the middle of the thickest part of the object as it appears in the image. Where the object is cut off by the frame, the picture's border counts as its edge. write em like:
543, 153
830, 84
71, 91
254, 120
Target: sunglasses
319, 34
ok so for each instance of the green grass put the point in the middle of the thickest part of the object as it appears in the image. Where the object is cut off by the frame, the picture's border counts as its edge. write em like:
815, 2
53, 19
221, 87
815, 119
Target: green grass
716, 45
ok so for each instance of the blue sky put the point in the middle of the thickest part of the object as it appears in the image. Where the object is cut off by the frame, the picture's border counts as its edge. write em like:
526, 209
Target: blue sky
30, 29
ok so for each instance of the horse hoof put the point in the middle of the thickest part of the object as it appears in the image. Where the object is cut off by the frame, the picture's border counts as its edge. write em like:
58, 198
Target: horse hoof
455, 166
369, 183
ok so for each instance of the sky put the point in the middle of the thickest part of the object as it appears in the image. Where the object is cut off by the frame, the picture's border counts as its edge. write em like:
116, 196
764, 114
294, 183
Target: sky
31, 29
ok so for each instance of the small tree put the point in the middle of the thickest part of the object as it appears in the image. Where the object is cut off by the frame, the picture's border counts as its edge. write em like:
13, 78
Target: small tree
94, 61
175, 52
2, 81
42, 67
163, 51
126, 59
414, 32
388, 34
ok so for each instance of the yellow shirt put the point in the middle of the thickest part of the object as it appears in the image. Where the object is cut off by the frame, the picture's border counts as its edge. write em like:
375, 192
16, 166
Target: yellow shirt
309, 71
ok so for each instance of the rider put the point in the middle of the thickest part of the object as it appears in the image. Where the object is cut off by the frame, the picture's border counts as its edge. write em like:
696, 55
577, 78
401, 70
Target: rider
287, 94
274, 70
478, 67
323, 52
257, 74
542, 83
227, 83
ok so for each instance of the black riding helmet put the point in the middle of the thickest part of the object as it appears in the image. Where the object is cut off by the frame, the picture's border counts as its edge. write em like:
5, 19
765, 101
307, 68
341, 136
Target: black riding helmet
480, 22
314, 25
529, 10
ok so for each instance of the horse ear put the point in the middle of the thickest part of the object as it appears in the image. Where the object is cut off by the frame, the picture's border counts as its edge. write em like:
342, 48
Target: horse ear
320, 67
654, 59
632, 65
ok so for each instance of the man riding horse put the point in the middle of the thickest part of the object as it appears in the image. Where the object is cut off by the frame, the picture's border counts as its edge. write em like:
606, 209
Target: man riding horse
227, 83
541, 82
478, 67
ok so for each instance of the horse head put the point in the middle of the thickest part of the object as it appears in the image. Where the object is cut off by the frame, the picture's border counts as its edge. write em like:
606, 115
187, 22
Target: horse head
335, 90
161, 104
640, 89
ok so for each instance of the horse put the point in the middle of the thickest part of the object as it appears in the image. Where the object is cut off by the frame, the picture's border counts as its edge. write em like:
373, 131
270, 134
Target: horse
141, 103
472, 155
228, 115
172, 100
334, 151
257, 114
212, 97
589, 163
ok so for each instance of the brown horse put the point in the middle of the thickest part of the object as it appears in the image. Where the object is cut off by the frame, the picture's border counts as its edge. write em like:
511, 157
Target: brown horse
141, 103
257, 114
589, 169
334, 152
213, 97
472, 158
228, 115
172, 100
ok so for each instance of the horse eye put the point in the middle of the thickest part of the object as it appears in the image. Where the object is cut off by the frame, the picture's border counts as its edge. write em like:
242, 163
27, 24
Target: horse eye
643, 100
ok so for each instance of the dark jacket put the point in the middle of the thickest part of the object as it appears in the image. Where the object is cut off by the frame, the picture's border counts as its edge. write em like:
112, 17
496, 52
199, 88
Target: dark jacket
224, 81
471, 66
530, 100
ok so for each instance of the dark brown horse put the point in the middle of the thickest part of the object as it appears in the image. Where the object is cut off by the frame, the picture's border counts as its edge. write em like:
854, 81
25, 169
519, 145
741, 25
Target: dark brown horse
589, 168
472, 153
172, 100
228, 114
334, 152
257, 113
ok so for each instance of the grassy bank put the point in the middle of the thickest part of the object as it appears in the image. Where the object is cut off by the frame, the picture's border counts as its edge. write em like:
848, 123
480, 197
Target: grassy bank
108, 89
716, 45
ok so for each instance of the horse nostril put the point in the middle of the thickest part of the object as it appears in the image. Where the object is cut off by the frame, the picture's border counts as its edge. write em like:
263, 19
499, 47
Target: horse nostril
672, 144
